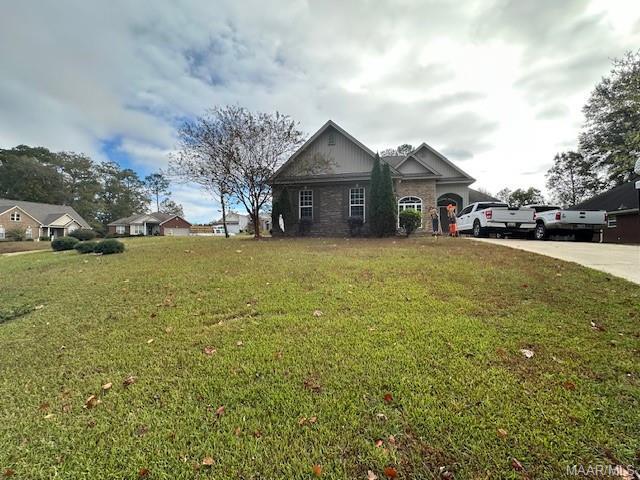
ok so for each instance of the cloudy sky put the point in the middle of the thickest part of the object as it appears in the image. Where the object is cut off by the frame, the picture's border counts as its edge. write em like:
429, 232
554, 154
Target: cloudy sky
497, 86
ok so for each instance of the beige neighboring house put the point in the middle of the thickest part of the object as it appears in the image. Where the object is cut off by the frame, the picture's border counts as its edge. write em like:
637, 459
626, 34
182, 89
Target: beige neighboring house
38, 219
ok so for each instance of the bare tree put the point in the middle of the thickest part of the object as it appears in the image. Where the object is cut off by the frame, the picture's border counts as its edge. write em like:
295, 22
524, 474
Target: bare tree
201, 158
255, 144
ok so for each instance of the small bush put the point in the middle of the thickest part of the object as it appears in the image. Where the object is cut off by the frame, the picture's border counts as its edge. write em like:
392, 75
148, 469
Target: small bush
410, 220
16, 234
64, 243
83, 234
86, 247
109, 246
355, 226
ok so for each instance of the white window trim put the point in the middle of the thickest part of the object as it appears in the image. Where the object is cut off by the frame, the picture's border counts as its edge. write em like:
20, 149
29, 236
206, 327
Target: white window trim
120, 229
28, 232
15, 216
136, 229
413, 206
612, 222
363, 204
300, 206
2, 233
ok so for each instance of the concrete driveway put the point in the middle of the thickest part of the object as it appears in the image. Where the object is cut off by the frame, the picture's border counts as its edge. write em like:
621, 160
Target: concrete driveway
619, 260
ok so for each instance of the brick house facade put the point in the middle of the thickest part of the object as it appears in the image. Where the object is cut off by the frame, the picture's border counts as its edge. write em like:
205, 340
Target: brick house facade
327, 181
144, 224
38, 220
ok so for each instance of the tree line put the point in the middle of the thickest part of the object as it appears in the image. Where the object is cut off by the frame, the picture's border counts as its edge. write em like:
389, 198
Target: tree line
100, 192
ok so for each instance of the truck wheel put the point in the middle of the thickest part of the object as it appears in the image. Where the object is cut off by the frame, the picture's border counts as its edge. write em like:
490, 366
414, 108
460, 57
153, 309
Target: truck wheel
478, 231
540, 233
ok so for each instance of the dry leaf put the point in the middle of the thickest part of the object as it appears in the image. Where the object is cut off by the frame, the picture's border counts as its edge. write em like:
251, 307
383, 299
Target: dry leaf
9, 472
168, 329
624, 473
371, 475
502, 433
220, 411
237, 431
388, 398
312, 384
569, 385
107, 386
317, 313
238, 251
277, 355
379, 443
91, 402
209, 351
317, 470
516, 465
527, 353
392, 439
390, 472
313, 420
150, 341
50, 415
130, 380
207, 461
302, 421
66, 408
38, 307
44, 406
239, 343
143, 473
381, 416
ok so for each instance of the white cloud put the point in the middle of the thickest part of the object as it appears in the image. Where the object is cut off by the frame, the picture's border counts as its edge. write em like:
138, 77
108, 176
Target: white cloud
498, 86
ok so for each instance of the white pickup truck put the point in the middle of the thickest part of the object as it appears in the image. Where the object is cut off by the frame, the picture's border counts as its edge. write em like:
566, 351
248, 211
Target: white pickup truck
483, 218
553, 220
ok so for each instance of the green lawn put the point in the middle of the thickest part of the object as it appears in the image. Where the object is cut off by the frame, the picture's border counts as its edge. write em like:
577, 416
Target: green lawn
12, 247
411, 361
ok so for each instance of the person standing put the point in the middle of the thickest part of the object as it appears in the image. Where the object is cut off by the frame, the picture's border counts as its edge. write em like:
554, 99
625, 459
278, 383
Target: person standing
451, 213
435, 220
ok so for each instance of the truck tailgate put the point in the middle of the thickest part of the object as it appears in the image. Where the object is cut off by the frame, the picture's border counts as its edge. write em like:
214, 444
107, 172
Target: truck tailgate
583, 217
521, 215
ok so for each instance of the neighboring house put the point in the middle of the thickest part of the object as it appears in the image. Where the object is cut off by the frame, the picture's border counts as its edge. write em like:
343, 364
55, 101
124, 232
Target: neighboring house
238, 223
38, 219
150, 224
328, 180
621, 205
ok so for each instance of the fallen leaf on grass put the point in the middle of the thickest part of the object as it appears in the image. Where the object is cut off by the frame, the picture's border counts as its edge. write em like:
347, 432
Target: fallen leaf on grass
392, 439
388, 398
150, 341
168, 329
278, 355
596, 327
317, 313
238, 251
50, 415
9, 472
66, 408
371, 475
207, 461
38, 307
317, 470
130, 380
379, 443
390, 472
220, 411
569, 385
312, 384
92, 402
381, 416
527, 353
502, 433
239, 343
237, 432
44, 406
624, 473
209, 351
143, 473
107, 386
517, 466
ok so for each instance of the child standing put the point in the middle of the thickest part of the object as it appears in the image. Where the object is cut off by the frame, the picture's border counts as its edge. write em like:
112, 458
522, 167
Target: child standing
435, 220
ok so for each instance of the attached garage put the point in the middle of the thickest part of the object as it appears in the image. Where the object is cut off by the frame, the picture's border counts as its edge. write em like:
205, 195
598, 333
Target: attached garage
175, 227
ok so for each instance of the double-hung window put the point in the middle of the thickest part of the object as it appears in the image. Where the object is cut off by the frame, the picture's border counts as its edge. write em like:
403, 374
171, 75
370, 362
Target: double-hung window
356, 202
28, 233
120, 229
306, 204
137, 229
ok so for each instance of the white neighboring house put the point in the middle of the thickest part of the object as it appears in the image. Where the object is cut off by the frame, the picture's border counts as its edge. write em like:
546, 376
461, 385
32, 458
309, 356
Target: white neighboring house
238, 223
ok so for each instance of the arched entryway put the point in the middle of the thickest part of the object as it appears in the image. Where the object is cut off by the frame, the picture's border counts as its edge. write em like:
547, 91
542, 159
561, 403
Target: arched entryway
443, 201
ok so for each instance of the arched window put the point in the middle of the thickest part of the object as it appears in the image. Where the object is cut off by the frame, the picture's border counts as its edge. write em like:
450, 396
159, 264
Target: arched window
409, 202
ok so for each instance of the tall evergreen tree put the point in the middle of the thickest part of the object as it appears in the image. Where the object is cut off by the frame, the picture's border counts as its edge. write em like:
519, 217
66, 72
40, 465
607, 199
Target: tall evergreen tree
388, 203
375, 198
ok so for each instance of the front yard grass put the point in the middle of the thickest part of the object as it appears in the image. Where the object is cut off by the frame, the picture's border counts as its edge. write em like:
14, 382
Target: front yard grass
12, 247
329, 357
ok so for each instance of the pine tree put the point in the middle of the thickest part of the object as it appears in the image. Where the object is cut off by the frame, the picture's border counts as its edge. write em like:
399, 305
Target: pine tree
387, 212
375, 199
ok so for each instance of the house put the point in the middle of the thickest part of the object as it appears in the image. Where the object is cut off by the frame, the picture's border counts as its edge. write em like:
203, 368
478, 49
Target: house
327, 180
621, 205
238, 223
38, 219
157, 223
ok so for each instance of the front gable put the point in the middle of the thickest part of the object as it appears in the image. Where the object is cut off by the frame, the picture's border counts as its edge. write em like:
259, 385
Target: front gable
437, 162
414, 166
331, 151
61, 221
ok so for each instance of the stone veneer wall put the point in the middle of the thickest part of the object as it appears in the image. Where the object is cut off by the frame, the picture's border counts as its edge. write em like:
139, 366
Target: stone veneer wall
423, 189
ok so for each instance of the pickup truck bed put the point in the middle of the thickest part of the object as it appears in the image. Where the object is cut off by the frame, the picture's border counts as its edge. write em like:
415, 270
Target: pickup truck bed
552, 220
